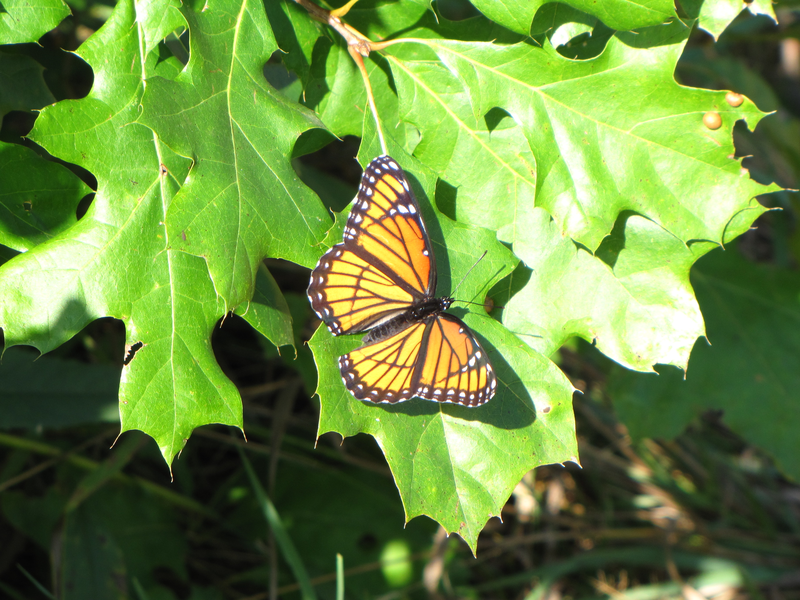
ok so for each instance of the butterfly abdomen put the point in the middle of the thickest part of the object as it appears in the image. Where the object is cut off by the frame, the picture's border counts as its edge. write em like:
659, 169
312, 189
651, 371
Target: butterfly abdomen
419, 312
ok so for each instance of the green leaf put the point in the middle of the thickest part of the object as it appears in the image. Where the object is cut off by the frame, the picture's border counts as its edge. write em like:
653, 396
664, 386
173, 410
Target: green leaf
276, 525
268, 312
444, 457
296, 34
242, 201
517, 15
608, 134
748, 371
715, 15
38, 199
24, 21
158, 18
638, 306
22, 86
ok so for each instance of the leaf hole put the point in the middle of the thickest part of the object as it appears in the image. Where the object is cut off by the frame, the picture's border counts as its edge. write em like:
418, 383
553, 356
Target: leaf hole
130, 352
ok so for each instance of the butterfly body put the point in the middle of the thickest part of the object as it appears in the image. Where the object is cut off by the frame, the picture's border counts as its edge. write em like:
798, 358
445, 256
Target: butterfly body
427, 309
382, 279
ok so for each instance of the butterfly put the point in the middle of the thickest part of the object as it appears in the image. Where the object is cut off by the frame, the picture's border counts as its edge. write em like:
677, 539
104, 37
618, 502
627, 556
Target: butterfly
382, 279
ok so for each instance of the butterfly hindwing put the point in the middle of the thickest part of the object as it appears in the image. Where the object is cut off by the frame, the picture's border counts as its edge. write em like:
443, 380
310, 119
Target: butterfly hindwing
436, 359
384, 265
454, 368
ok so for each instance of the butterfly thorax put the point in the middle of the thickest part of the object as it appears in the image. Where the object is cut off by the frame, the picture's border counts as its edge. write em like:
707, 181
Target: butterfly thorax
416, 313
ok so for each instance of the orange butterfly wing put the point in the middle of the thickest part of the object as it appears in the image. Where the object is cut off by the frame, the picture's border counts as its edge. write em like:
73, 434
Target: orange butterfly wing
384, 265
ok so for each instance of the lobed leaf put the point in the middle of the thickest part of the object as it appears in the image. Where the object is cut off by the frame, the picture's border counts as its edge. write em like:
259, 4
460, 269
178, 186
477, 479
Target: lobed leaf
715, 15
23, 21
445, 458
746, 369
610, 134
120, 260
38, 199
517, 15
22, 85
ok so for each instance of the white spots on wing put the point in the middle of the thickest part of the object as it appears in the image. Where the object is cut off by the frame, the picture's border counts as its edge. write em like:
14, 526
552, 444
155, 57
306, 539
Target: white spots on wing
405, 185
392, 212
364, 203
425, 253
369, 193
357, 219
371, 178
319, 294
472, 361
412, 209
403, 209
393, 165
478, 355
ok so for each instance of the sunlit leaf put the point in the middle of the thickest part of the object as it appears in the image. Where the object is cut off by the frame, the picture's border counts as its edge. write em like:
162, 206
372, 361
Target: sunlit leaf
746, 369
617, 14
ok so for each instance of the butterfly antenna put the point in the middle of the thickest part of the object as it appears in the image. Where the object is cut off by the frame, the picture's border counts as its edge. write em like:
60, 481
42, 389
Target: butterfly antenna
453, 293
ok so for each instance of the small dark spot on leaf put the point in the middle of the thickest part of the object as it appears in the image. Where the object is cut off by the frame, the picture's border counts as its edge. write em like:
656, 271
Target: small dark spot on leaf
163, 169
546, 409
130, 352
183, 235
27, 206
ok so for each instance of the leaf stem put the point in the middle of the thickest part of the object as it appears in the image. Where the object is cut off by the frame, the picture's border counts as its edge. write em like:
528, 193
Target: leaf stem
358, 45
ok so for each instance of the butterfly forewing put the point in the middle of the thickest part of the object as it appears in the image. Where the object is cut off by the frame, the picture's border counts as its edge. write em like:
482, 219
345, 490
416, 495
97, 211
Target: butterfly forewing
351, 295
384, 265
385, 224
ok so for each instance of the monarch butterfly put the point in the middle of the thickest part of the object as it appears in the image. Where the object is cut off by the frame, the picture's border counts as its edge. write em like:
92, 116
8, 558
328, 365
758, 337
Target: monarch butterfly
382, 278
